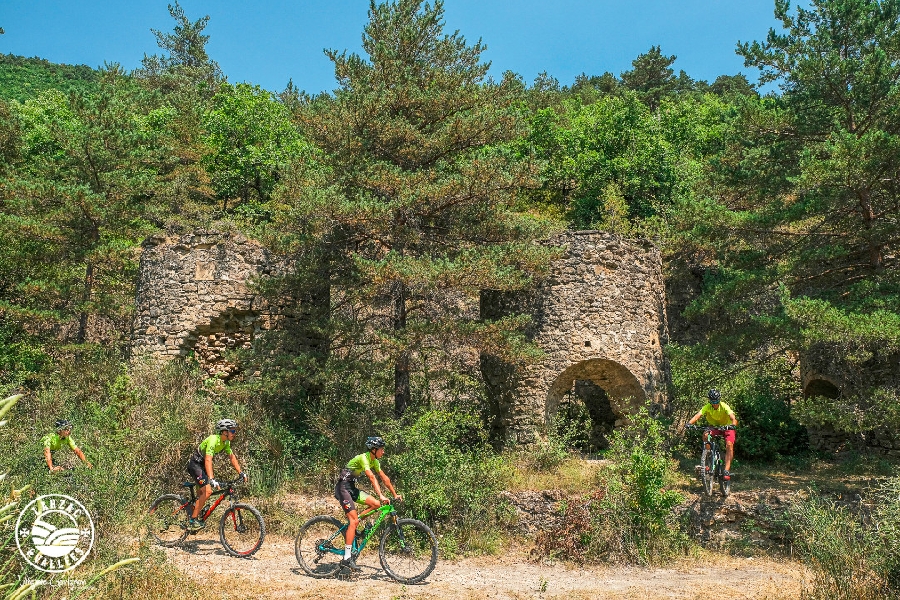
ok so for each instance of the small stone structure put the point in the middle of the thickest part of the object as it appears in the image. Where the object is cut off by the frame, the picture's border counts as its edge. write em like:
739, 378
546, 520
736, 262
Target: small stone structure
194, 294
826, 373
599, 316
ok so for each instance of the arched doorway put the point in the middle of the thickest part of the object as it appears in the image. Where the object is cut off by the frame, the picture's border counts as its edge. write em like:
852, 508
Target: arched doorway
821, 387
588, 398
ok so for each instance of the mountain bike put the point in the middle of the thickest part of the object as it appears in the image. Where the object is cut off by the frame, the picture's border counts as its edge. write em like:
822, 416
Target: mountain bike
712, 463
241, 528
407, 548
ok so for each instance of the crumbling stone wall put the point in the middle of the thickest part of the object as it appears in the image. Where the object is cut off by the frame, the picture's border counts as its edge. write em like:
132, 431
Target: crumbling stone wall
194, 294
826, 373
599, 316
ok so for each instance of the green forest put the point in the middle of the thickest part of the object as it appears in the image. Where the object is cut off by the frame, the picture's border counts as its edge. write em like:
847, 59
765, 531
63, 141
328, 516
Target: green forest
419, 181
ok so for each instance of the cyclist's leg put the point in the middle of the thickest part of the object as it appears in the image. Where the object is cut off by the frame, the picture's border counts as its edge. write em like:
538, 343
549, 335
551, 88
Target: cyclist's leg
204, 490
347, 494
729, 448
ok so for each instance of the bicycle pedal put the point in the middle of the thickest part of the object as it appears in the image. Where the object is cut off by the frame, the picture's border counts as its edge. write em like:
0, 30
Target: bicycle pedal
346, 574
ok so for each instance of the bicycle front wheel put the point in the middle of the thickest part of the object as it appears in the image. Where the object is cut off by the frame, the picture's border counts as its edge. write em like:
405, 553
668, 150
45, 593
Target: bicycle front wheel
724, 486
408, 551
168, 520
242, 530
319, 546
707, 470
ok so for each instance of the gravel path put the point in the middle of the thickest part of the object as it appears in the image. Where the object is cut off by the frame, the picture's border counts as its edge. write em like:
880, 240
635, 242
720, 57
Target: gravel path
274, 573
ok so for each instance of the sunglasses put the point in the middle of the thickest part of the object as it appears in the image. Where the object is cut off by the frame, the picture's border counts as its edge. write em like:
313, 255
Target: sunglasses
231, 430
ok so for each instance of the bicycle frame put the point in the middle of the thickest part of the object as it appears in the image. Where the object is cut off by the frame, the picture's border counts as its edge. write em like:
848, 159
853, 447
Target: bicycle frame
386, 511
226, 491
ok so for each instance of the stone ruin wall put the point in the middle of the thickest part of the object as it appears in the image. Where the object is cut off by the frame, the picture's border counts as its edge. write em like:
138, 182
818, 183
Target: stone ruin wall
194, 294
600, 316
825, 373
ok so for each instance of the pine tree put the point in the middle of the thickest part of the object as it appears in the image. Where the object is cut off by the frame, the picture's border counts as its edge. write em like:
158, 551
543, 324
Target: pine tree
420, 185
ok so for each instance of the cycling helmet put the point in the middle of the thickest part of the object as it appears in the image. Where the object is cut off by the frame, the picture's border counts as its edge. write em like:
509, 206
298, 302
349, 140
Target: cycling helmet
714, 396
226, 424
374, 442
63, 424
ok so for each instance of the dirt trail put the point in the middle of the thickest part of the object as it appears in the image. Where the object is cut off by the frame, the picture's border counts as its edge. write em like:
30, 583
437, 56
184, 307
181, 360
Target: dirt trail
274, 573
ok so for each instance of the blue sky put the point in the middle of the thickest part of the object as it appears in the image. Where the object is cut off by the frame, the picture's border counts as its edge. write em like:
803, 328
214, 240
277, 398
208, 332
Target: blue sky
269, 42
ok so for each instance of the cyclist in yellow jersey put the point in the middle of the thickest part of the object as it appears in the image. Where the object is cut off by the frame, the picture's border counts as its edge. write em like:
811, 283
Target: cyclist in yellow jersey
200, 466
719, 414
55, 441
346, 492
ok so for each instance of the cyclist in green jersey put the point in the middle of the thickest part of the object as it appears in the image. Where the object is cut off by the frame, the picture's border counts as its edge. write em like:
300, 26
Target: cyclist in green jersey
719, 414
55, 441
346, 492
200, 466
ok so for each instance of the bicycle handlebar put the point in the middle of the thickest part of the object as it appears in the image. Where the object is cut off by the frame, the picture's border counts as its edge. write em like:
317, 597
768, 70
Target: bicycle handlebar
710, 427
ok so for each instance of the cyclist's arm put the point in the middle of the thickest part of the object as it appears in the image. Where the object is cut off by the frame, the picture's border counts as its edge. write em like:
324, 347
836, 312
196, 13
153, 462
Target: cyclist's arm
374, 481
733, 420
387, 483
235, 463
48, 456
80, 455
207, 465
695, 418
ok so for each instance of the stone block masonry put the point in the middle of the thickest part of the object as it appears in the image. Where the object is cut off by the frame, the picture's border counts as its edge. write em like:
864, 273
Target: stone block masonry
195, 294
599, 316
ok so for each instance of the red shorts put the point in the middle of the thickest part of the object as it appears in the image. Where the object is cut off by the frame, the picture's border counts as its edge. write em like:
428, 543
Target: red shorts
728, 435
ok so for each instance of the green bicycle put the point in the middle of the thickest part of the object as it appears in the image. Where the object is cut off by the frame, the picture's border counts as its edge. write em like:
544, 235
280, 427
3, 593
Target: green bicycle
407, 549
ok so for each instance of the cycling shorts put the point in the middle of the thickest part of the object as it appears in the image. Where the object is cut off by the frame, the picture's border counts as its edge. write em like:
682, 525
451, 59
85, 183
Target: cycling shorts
729, 435
346, 492
197, 472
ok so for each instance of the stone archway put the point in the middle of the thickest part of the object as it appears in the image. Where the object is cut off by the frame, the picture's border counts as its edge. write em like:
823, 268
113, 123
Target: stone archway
624, 391
821, 387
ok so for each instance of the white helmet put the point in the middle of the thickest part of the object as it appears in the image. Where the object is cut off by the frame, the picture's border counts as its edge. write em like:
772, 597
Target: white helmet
226, 424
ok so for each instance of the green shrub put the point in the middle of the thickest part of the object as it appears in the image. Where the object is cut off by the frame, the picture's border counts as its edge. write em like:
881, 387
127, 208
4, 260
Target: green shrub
853, 553
630, 519
448, 474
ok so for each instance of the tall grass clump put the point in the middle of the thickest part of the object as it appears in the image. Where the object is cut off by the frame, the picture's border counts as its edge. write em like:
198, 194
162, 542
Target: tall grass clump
630, 518
853, 554
442, 463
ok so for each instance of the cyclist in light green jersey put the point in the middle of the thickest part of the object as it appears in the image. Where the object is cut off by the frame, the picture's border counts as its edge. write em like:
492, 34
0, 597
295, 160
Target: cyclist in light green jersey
200, 466
55, 441
346, 492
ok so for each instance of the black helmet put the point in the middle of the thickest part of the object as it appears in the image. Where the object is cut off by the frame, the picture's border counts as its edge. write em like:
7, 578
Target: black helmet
714, 396
63, 424
374, 442
226, 424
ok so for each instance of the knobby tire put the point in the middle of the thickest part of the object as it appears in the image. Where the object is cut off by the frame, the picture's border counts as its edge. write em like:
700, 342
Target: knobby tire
242, 530
412, 558
315, 531
168, 519
707, 469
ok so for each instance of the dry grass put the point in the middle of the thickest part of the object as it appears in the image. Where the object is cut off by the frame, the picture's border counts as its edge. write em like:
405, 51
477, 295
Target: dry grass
572, 475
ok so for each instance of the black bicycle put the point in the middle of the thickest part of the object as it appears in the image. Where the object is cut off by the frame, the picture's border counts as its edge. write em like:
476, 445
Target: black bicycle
241, 528
712, 463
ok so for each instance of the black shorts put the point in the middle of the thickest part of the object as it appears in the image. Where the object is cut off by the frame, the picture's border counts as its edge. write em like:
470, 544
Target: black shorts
346, 492
197, 472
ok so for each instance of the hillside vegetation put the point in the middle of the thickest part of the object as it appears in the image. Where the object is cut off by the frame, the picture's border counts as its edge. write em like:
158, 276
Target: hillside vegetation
418, 181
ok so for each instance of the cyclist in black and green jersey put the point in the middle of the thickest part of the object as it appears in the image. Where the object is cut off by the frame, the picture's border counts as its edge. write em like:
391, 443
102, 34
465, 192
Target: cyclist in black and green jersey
346, 492
55, 441
200, 465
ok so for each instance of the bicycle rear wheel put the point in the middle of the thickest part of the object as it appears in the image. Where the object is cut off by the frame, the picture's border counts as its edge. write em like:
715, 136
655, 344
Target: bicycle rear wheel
408, 551
319, 546
707, 469
168, 520
242, 530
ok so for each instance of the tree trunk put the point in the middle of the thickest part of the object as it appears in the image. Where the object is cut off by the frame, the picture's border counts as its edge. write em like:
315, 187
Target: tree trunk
85, 298
401, 367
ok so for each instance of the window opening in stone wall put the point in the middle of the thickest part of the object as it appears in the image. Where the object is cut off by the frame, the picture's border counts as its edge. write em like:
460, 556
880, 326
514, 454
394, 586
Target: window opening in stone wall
822, 387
